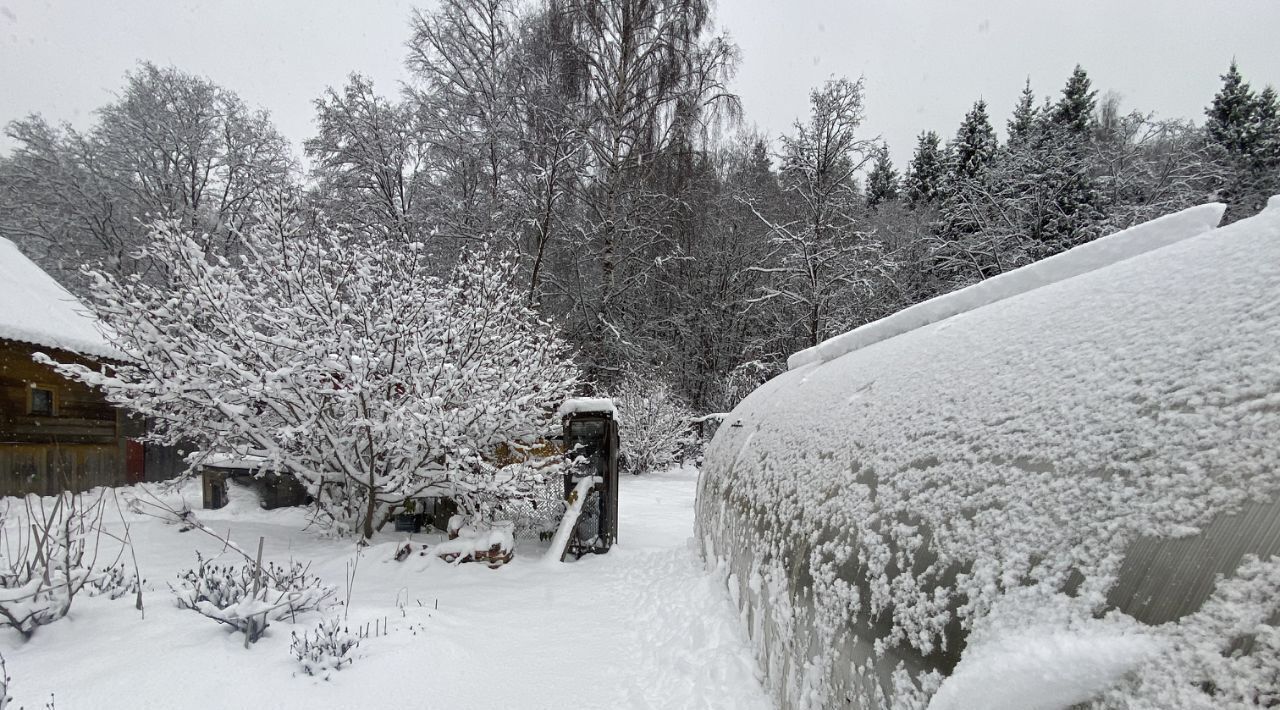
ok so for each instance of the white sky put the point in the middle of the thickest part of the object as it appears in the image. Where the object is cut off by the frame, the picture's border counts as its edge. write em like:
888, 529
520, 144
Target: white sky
924, 62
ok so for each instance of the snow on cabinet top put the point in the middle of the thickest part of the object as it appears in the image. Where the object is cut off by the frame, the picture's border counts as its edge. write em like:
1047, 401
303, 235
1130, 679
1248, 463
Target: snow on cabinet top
1094, 255
248, 462
579, 405
36, 309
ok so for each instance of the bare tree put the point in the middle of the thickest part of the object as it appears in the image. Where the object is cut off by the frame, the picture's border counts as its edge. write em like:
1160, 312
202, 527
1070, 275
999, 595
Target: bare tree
821, 263
466, 101
653, 81
369, 163
173, 146
1149, 167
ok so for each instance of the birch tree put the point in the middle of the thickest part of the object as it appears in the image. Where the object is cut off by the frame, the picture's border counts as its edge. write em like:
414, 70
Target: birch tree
653, 78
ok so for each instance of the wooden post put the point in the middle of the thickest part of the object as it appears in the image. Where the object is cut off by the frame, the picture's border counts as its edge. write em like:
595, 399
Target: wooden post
257, 586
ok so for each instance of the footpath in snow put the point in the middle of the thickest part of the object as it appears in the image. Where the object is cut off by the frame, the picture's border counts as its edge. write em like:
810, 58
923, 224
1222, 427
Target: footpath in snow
642, 627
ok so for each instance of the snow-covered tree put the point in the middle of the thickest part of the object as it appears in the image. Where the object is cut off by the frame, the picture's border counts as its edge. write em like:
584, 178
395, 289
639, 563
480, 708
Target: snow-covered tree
974, 147
1022, 125
1145, 167
1229, 119
172, 146
1074, 110
654, 424
343, 361
820, 262
1244, 128
652, 81
468, 105
1066, 178
926, 172
882, 179
368, 162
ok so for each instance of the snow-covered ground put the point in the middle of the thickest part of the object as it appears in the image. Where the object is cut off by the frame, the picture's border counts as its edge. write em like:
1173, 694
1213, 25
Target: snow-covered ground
642, 627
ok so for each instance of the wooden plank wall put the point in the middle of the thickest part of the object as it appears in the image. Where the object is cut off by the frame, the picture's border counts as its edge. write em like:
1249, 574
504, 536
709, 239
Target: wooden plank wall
47, 469
79, 447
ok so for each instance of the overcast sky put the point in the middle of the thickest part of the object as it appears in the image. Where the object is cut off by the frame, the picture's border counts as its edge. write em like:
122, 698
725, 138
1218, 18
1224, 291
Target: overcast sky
924, 62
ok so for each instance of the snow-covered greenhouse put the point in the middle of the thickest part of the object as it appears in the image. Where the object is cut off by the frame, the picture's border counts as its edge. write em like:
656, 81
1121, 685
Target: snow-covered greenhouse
1055, 488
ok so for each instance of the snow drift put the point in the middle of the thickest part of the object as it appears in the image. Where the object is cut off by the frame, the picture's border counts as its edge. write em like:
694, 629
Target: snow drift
1056, 468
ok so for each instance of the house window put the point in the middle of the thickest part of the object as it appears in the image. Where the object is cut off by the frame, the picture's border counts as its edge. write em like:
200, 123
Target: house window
41, 402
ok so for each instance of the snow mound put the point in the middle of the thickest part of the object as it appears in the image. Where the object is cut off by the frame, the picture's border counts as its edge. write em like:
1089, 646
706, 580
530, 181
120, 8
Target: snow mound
1102, 252
36, 309
1041, 672
873, 508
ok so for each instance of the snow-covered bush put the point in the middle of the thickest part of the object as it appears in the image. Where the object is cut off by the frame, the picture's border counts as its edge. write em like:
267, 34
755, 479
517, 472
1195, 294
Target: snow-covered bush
347, 363
49, 551
1041, 492
326, 649
237, 595
653, 424
739, 382
114, 582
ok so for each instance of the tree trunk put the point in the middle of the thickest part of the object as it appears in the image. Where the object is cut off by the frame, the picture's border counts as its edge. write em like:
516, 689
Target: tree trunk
371, 507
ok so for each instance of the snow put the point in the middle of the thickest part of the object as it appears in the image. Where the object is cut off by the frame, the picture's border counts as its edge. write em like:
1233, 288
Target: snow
587, 405
247, 462
1097, 254
645, 626
555, 553
1048, 671
877, 509
36, 309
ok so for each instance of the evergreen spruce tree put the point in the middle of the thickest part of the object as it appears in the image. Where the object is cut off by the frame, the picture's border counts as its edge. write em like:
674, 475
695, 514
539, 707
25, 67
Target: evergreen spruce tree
925, 175
1230, 121
966, 203
1244, 129
1022, 125
1266, 126
1074, 214
1262, 177
882, 180
974, 147
1074, 111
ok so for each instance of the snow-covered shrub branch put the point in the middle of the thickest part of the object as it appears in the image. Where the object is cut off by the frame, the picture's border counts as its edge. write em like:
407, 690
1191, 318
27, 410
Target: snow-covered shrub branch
654, 424
345, 362
245, 597
48, 557
5, 680
115, 582
326, 649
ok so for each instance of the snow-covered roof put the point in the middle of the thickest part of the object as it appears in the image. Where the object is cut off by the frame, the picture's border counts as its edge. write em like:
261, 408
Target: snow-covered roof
587, 404
36, 309
1103, 441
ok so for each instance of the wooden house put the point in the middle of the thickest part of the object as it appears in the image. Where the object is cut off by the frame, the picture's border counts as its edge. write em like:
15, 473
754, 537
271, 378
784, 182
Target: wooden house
57, 434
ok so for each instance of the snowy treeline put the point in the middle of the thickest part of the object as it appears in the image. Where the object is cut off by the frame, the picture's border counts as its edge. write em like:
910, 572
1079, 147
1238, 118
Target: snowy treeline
589, 139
